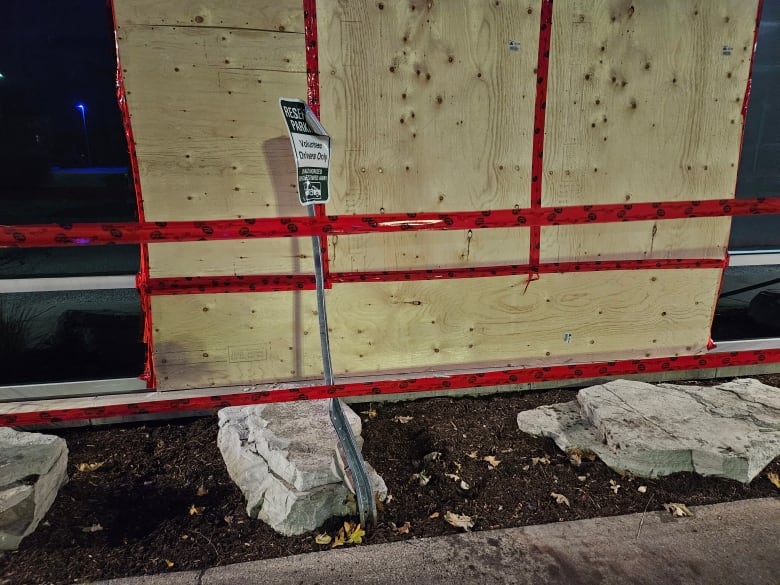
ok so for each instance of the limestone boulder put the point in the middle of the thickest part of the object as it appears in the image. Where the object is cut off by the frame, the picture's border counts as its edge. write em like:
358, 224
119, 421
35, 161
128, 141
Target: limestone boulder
33, 467
730, 430
283, 458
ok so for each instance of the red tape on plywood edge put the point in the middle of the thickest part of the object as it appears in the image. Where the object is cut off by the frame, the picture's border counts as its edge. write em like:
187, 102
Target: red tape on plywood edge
403, 386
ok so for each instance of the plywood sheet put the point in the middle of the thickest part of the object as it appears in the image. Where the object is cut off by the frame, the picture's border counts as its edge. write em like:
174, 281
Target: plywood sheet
210, 141
232, 257
418, 250
644, 99
210, 340
428, 107
402, 326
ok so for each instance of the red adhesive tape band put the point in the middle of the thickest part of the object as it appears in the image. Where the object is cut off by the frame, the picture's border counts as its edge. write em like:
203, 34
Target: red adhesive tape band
540, 106
92, 234
403, 386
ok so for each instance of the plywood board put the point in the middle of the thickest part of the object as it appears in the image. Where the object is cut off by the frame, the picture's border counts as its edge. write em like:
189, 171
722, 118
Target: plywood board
644, 99
418, 250
210, 141
428, 107
232, 257
277, 15
562, 317
214, 340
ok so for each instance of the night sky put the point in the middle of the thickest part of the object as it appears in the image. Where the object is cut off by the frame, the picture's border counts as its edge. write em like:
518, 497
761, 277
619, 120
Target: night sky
55, 54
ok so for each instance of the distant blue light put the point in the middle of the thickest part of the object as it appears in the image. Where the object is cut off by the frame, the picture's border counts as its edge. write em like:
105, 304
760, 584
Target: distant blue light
81, 107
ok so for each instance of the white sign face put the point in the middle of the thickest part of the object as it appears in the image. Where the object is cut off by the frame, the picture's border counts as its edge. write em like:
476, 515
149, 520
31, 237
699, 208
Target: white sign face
311, 146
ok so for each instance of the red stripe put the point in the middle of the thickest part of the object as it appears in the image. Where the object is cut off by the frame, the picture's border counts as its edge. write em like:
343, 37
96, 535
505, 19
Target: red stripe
404, 386
287, 282
143, 274
229, 284
95, 234
537, 160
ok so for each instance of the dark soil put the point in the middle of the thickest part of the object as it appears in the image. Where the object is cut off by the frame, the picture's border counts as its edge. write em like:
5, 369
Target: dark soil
143, 495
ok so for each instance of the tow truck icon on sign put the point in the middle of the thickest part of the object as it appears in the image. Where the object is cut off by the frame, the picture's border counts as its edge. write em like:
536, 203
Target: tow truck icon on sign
312, 191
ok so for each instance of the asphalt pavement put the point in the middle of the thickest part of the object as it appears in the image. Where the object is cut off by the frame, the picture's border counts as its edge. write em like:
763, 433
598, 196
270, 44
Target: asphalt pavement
722, 544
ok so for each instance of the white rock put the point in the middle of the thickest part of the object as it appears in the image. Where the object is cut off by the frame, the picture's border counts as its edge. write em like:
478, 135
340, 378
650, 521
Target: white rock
283, 458
33, 467
731, 430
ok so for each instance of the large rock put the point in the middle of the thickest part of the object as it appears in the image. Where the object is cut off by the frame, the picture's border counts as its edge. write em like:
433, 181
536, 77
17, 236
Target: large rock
731, 430
33, 467
283, 458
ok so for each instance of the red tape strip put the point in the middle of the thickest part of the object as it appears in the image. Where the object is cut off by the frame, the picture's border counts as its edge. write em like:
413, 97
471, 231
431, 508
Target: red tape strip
537, 161
403, 386
93, 234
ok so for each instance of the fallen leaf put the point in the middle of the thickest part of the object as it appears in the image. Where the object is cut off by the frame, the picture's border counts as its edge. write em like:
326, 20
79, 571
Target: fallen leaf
339, 540
422, 478
774, 478
472, 455
402, 419
370, 412
613, 485
642, 489
560, 499
322, 539
228, 519
575, 457
202, 490
434, 515
90, 466
404, 529
491, 460
452, 476
355, 533
380, 505
678, 510
432, 456
464, 485
540, 460
196, 510
389, 498
459, 521
168, 563
582, 477
94, 528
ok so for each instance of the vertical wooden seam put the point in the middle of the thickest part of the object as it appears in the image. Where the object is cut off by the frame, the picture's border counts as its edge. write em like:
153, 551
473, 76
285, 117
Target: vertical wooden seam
537, 166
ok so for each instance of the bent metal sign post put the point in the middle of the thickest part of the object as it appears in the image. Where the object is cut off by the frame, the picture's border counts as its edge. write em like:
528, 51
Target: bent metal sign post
311, 146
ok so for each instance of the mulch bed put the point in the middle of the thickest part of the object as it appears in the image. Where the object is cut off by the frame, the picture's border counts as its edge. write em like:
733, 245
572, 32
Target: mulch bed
162, 501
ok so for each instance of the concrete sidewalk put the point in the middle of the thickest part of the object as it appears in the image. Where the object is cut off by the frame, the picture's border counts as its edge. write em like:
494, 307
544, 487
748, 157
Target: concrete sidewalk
735, 543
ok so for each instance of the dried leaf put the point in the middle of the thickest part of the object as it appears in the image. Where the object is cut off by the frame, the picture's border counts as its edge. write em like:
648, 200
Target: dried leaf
323, 538
452, 476
575, 457
432, 456
422, 478
434, 515
560, 499
642, 489
404, 529
371, 412
613, 485
355, 534
492, 461
402, 419
169, 564
380, 505
196, 510
202, 490
94, 528
678, 510
389, 498
472, 455
582, 477
464, 485
540, 460
774, 479
90, 466
339, 540
459, 521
